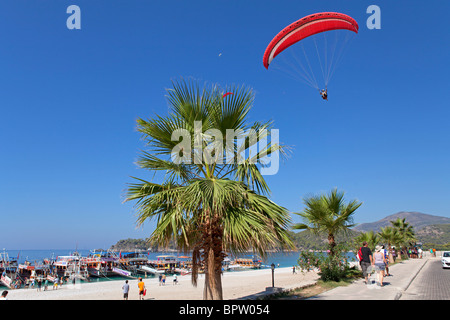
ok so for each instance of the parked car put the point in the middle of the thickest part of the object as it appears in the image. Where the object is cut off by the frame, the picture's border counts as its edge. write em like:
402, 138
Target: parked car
445, 259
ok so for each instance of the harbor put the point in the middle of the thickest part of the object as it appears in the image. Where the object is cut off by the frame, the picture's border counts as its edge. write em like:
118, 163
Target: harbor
25, 269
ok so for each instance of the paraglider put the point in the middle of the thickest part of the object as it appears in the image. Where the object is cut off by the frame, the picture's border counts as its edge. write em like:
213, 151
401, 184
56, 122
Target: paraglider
308, 27
324, 94
226, 94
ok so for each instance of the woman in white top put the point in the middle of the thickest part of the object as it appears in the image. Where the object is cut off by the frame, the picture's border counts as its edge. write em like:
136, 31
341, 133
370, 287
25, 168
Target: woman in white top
379, 261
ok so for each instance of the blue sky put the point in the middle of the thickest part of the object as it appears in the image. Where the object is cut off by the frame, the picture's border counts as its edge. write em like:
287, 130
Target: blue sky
69, 100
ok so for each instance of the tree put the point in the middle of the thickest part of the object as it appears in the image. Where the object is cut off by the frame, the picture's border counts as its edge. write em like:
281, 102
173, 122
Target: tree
392, 237
328, 213
205, 202
370, 237
406, 234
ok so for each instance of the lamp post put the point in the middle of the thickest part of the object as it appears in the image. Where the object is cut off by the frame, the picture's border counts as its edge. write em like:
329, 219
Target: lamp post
272, 266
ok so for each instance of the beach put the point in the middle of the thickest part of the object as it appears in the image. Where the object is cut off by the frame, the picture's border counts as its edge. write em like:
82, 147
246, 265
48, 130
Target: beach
236, 285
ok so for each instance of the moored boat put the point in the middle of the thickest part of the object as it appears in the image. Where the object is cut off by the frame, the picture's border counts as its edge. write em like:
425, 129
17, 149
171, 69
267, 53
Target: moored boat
254, 262
8, 265
166, 263
99, 265
72, 267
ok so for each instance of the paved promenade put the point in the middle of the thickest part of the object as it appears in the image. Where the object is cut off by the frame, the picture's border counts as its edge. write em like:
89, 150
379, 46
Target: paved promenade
402, 276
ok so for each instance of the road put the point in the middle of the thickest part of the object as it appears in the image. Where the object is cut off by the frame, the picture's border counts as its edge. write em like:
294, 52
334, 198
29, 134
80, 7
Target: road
432, 283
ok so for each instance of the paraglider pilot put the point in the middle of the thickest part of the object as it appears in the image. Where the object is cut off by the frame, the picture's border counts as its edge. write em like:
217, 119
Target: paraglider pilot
324, 94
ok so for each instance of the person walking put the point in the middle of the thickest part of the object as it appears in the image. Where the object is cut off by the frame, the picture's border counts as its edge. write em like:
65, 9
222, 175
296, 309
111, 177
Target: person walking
126, 289
366, 261
379, 262
394, 254
55, 283
386, 259
39, 284
175, 280
141, 286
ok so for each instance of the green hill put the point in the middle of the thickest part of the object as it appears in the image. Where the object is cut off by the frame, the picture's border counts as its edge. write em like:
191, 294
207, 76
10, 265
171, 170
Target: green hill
435, 236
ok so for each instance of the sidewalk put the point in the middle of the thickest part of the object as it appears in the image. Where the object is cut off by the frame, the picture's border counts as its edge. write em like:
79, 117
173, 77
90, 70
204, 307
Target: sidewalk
402, 274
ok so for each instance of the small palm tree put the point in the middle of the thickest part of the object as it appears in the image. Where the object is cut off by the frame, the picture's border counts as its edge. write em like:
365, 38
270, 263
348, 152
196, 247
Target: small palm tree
370, 237
406, 234
205, 203
329, 214
391, 236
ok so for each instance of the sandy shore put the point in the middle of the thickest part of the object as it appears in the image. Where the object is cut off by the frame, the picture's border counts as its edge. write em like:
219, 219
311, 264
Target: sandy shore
236, 285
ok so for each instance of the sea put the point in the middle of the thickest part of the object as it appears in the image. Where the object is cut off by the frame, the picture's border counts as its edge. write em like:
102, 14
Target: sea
280, 259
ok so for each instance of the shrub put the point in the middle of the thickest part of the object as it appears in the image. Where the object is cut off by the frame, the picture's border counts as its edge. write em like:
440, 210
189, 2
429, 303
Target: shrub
330, 267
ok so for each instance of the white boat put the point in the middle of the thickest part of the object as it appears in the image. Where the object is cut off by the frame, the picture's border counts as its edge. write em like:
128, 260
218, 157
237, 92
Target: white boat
152, 270
121, 272
182, 271
165, 263
238, 267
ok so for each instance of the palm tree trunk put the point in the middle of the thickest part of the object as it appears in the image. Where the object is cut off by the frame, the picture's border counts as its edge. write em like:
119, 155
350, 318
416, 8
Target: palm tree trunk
332, 243
213, 279
399, 254
390, 256
213, 257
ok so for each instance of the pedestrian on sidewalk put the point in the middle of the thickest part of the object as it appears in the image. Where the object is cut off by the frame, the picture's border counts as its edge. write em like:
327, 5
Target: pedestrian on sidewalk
366, 260
386, 260
379, 262
394, 253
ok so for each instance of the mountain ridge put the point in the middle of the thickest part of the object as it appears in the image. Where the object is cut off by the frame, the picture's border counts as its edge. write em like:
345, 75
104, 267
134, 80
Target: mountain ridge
416, 219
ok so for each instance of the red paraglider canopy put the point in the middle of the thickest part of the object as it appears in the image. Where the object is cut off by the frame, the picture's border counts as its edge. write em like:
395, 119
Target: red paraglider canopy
305, 27
226, 94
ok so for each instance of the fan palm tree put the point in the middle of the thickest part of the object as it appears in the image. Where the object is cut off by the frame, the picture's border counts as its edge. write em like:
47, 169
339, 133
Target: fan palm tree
406, 233
392, 237
328, 213
370, 237
205, 202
